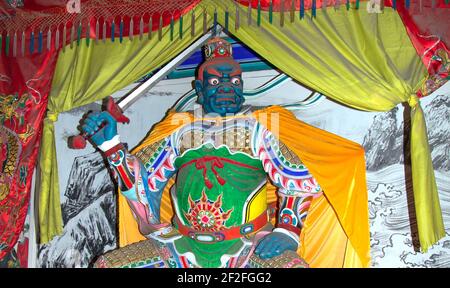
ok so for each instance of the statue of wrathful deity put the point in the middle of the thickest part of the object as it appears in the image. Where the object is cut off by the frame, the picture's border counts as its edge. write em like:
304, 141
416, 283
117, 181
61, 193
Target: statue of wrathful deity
222, 155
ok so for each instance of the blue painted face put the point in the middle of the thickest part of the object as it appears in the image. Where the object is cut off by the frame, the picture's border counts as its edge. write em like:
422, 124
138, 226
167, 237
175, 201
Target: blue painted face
221, 89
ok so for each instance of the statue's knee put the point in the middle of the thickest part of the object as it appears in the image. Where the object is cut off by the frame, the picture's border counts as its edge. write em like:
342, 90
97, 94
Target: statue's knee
289, 259
142, 254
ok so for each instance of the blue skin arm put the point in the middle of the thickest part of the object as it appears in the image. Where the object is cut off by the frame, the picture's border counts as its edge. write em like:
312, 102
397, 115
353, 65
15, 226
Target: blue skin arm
101, 127
144, 201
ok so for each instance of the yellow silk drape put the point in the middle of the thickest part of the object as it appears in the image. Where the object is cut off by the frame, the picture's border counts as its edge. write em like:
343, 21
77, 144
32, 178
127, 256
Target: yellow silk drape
363, 60
86, 74
339, 221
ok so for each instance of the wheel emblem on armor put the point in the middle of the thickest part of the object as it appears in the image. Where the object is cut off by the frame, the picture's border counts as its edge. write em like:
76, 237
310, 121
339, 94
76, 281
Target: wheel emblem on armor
288, 217
207, 215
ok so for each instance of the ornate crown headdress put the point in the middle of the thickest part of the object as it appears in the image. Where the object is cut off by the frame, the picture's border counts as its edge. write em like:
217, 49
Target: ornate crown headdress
217, 48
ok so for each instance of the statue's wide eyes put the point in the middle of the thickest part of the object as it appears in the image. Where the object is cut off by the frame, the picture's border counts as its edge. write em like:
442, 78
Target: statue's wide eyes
236, 80
213, 81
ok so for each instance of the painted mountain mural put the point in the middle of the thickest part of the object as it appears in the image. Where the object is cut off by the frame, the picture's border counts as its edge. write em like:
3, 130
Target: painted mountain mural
89, 215
384, 141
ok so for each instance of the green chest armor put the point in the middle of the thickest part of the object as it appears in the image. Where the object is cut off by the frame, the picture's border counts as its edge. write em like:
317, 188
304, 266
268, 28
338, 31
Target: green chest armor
217, 191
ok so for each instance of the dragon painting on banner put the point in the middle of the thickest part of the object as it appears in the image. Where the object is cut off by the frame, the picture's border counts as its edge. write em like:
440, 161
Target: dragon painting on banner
15, 130
23, 103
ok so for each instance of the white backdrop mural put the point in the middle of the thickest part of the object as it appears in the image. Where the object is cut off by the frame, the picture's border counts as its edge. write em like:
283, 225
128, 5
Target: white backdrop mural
87, 192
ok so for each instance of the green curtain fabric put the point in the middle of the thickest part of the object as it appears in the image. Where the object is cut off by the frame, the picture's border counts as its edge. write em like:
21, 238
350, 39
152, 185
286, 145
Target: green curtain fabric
363, 60
86, 74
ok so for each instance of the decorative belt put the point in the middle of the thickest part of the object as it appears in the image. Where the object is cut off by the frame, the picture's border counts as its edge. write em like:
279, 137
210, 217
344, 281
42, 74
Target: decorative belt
224, 234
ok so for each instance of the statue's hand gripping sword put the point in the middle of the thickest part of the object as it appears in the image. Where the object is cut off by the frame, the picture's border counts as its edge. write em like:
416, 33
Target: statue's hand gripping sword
79, 141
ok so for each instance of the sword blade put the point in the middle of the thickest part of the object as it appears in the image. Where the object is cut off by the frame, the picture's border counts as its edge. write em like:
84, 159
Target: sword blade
128, 100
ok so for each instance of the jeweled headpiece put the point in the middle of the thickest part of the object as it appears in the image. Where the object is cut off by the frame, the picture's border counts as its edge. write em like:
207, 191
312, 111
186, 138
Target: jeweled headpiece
217, 47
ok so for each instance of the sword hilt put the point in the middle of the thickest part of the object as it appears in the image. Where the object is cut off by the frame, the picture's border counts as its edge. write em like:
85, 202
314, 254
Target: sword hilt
79, 141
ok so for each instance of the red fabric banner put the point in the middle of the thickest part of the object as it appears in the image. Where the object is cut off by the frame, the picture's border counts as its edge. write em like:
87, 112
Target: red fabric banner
24, 87
41, 15
428, 26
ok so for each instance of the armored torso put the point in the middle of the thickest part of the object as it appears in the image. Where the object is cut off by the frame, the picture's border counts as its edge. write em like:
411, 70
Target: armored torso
219, 197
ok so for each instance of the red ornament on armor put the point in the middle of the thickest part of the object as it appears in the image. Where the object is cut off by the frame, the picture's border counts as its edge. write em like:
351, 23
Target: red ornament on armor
206, 215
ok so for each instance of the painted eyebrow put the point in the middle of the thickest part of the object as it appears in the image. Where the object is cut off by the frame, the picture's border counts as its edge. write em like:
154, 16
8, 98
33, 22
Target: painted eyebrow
214, 72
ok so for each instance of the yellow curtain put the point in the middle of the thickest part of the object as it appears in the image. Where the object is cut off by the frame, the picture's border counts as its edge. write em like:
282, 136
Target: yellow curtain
87, 74
363, 60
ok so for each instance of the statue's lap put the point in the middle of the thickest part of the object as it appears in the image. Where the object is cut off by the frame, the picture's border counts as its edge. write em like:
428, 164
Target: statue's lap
151, 253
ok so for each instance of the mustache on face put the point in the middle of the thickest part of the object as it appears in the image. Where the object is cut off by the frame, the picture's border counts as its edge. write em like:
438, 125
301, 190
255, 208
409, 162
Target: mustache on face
231, 99
228, 100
